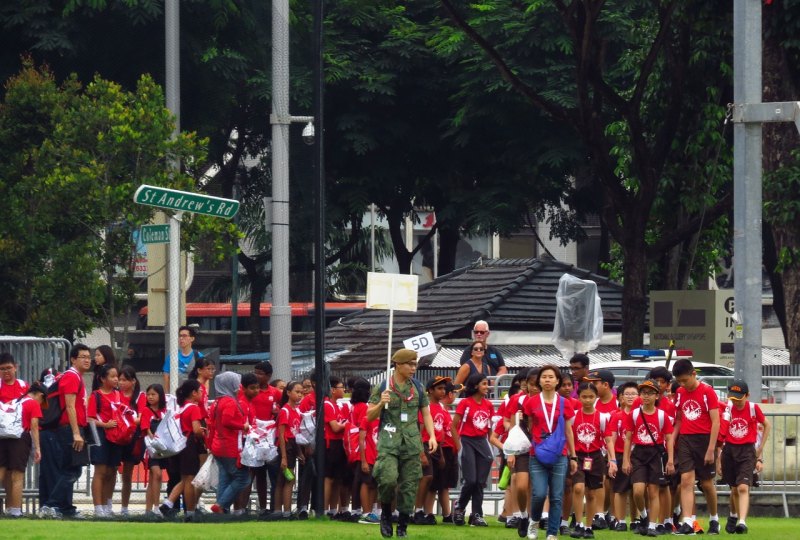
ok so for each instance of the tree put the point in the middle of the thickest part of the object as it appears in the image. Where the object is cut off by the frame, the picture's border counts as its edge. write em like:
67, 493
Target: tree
630, 79
72, 157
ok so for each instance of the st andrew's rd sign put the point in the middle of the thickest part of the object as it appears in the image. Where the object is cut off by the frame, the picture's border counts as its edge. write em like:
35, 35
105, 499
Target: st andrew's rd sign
183, 201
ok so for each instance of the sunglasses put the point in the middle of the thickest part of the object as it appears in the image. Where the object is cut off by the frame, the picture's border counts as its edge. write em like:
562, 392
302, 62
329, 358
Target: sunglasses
478, 349
480, 331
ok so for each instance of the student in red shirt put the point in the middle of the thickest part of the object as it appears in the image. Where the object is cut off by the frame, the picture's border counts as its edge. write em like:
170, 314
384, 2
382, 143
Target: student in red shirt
450, 449
14, 453
471, 425
432, 465
627, 393
335, 459
105, 456
230, 426
648, 430
186, 464
246, 396
592, 434
288, 426
741, 452
544, 413
266, 405
520, 464
368, 450
697, 423
151, 416
567, 389
359, 396
11, 388
606, 404
132, 396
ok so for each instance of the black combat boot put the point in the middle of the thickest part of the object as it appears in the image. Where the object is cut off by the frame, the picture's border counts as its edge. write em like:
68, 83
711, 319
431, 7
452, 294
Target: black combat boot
402, 525
386, 521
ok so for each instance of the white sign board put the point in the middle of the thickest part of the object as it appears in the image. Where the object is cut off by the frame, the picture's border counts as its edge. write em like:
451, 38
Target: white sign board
392, 291
423, 344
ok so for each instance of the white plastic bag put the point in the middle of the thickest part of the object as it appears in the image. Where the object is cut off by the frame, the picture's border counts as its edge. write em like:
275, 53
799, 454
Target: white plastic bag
250, 452
170, 440
207, 478
308, 426
517, 442
579, 318
11, 419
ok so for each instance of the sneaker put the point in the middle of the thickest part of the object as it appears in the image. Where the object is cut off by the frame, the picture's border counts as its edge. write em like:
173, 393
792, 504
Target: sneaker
167, 511
522, 527
661, 529
303, 514
512, 522
367, 519
502, 519
101, 513
74, 515
217, 509
447, 519
533, 529
730, 525
458, 517
543, 523
124, 513
577, 532
430, 519
697, 528
635, 526
45, 512
741, 528
419, 518
476, 520
564, 530
344, 516
651, 532
620, 527
552, 537
685, 530
713, 527
599, 523
588, 533
644, 523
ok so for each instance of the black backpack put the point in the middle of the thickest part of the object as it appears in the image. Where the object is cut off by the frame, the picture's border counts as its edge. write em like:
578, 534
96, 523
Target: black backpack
51, 416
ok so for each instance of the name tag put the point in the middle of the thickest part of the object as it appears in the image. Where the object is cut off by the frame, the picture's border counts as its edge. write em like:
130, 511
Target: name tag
587, 464
404, 417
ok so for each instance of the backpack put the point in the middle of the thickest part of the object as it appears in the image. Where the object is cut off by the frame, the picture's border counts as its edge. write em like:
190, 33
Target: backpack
51, 416
550, 450
126, 427
11, 419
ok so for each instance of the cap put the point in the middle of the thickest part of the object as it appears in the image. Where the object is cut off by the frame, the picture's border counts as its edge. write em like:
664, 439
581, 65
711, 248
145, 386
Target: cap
436, 381
738, 389
454, 388
404, 356
651, 384
604, 375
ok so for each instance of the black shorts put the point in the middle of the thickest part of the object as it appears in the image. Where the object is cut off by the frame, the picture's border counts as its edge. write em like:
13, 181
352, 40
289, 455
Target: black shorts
738, 464
187, 462
691, 456
335, 460
646, 466
291, 454
106, 453
450, 467
427, 470
621, 483
362, 478
133, 452
14, 453
592, 478
522, 463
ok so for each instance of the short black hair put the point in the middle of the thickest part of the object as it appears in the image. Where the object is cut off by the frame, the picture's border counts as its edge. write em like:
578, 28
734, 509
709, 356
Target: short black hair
191, 329
660, 372
77, 349
683, 366
630, 384
7, 358
264, 366
586, 385
579, 357
473, 382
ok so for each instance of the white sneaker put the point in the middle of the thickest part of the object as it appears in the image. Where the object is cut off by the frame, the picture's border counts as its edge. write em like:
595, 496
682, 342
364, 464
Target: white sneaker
533, 529
45, 511
552, 537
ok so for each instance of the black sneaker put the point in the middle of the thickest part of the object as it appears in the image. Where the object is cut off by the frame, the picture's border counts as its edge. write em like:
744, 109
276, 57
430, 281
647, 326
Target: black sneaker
635, 526
543, 524
476, 520
651, 532
620, 527
564, 530
302, 514
660, 529
730, 525
458, 517
741, 528
577, 532
430, 519
512, 522
685, 530
713, 527
502, 519
588, 533
419, 518
168, 511
522, 527
599, 523
447, 519
644, 523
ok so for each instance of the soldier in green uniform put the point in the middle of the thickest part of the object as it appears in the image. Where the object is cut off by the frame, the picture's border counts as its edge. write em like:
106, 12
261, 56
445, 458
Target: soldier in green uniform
398, 468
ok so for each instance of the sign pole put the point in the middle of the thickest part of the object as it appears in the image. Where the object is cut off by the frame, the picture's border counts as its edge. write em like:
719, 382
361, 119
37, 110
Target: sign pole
389, 344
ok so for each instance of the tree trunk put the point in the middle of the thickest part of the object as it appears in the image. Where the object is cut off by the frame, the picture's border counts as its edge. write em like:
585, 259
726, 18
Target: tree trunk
401, 253
775, 279
448, 247
634, 294
258, 286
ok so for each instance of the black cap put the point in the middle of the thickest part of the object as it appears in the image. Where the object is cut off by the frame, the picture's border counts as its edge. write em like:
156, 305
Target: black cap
436, 381
604, 375
738, 389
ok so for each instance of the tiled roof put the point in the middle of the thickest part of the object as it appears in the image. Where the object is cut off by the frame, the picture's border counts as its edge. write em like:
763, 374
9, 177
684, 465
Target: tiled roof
511, 294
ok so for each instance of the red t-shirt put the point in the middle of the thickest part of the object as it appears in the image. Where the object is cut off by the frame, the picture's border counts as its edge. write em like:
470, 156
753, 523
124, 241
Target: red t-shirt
664, 404
148, 416
357, 412
71, 382
476, 418
640, 436
617, 425
694, 408
371, 439
589, 431
30, 409
742, 426
190, 413
447, 428
308, 403
204, 400
332, 413
290, 417
533, 409
15, 390
603, 408
106, 412
438, 416
266, 402
513, 404
229, 423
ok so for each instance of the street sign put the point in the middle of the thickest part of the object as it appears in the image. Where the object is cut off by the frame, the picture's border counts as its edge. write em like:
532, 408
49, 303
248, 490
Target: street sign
155, 234
183, 201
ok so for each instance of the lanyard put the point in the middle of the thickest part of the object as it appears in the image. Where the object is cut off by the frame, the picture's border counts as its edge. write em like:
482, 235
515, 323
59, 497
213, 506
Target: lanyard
394, 389
549, 420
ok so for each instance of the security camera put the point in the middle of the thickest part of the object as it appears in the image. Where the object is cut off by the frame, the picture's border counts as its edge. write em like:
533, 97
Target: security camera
308, 134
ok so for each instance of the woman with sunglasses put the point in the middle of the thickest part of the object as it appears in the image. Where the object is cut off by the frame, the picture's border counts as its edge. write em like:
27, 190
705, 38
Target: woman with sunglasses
476, 365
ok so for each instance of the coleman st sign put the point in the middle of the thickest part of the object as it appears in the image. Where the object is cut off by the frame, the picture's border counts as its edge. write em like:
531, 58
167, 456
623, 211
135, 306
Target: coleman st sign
183, 201
155, 234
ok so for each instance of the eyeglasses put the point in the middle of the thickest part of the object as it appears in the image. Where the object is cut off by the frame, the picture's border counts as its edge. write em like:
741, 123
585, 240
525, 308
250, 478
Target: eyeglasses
480, 331
338, 388
7, 368
84, 357
184, 335
478, 349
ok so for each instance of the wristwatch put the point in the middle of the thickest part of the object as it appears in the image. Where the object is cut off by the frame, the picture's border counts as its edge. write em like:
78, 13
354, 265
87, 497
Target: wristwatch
573, 458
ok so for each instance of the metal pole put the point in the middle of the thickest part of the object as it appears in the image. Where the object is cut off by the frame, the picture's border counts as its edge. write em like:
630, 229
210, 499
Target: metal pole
747, 210
280, 320
173, 91
235, 281
320, 280
372, 237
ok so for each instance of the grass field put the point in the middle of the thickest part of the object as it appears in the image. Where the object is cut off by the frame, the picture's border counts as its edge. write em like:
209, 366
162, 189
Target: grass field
31, 529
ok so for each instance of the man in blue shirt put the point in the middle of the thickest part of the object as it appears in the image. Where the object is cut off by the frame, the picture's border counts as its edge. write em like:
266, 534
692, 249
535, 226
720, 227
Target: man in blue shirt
186, 354
480, 332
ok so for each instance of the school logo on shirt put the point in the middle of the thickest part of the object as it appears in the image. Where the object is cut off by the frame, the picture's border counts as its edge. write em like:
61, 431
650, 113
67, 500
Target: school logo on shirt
692, 410
438, 423
586, 433
295, 427
643, 436
738, 428
481, 420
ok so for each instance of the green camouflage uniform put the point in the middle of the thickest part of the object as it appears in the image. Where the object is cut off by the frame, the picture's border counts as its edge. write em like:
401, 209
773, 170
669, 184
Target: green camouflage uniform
398, 468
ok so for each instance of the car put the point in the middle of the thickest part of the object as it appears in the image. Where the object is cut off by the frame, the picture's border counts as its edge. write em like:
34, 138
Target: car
636, 370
